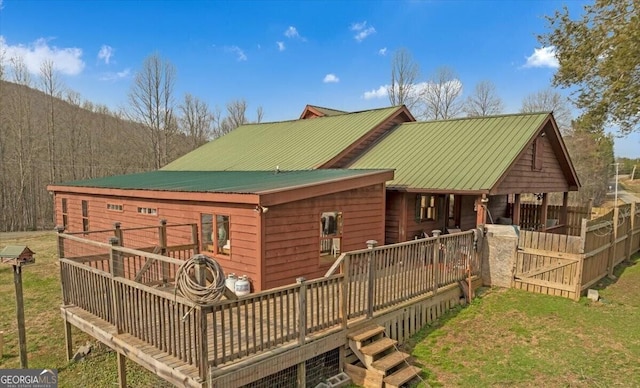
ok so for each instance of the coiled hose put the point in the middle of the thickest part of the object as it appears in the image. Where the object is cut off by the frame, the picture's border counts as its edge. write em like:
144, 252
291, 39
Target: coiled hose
187, 285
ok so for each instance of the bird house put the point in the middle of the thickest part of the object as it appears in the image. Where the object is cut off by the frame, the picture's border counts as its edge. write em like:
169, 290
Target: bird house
17, 255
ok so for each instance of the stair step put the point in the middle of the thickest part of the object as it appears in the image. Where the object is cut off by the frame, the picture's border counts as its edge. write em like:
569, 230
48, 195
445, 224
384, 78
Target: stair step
389, 361
401, 376
378, 347
366, 333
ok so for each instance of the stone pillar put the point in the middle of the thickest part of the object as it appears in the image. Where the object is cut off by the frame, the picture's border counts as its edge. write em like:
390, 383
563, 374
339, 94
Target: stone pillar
499, 255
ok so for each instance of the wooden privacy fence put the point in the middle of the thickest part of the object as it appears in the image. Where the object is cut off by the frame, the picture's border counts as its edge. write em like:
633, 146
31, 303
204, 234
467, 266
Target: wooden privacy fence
531, 216
568, 265
212, 336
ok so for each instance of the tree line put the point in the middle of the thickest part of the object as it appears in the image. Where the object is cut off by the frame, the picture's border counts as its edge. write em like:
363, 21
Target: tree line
49, 134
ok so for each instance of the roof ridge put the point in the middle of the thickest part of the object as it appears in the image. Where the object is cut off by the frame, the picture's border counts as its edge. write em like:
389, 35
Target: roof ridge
333, 109
480, 117
321, 117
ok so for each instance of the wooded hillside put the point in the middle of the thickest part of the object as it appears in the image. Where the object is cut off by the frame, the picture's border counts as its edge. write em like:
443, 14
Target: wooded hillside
45, 139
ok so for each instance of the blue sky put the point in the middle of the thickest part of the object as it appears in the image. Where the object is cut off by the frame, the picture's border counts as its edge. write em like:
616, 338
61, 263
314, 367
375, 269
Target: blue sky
283, 55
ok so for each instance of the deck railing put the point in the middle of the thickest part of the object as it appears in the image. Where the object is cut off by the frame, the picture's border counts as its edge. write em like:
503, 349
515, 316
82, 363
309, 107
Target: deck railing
380, 277
213, 335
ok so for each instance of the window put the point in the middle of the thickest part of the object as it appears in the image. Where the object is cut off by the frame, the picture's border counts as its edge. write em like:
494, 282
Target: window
85, 216
114, 207
330, 233
65, 214
426, 208
215, 233
538, 154
148, 210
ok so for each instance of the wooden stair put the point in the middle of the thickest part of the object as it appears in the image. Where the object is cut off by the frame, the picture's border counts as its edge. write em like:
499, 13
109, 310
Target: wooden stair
385, 364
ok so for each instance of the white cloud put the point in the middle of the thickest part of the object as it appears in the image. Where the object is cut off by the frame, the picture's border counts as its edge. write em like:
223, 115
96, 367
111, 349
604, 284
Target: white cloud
238, 51
1, 5
126, 73
362, 31
105, 53
331, 78
281, 46
381, 92
382, 51
67, 61
292, 33
543, 57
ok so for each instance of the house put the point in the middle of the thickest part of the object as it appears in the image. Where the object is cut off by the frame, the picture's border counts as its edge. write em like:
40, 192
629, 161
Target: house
280, 200
273, 226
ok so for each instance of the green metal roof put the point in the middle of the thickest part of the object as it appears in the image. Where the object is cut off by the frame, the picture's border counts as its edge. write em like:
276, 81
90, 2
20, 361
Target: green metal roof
244, 182
468, 154
12, 251
328, 111
289, 145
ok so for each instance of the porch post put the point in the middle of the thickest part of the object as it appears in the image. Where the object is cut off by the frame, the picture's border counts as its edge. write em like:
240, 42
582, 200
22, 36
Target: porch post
565, 210
516, 209
543, 216
481, 213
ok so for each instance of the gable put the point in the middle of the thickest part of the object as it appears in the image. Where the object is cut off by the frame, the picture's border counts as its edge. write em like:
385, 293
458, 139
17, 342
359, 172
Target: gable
287, 145
468, 155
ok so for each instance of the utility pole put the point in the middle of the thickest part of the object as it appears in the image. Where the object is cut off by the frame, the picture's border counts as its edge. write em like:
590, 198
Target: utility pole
633, 172
616, 198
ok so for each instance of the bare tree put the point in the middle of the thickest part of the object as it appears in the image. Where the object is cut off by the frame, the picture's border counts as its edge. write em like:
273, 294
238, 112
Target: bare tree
52, 87
404, 75
151, 103
195, 121
549, 100
484, 101
259, 114
441, 95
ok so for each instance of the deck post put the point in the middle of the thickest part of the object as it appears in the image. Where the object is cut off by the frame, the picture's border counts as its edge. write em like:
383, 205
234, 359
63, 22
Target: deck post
204, 344
437, 251
545, 210
612, 249
115, 263
302, 375
162, 236
371, 244
117, 232
194, 238
122, 370
68, 339
302, 310
344, 293
564, 212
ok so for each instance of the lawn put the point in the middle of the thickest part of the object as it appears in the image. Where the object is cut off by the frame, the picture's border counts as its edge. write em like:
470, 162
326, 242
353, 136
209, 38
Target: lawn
45, 328
515, 338
503, 338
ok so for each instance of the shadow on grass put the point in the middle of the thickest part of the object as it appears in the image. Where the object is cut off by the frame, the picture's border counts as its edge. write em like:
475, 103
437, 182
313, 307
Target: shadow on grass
618, 271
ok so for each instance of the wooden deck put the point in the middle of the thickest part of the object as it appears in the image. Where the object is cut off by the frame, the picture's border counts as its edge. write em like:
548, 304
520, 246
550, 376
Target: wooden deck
190, 345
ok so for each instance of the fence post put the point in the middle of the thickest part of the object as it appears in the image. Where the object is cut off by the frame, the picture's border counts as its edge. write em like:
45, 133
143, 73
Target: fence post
65, 299
612, 248
302, 310
114, 264
204, 345
629, 245
162, 236
371, 244
344, 296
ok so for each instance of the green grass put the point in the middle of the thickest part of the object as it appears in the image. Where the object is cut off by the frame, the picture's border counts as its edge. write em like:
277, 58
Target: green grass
45, 328
515, 338
504, 338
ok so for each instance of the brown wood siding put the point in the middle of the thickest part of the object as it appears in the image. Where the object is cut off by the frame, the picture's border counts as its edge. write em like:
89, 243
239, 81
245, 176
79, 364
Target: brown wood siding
292, 232
522, 178
467, 214
393, 217
414, 228
244, 225
498, 207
